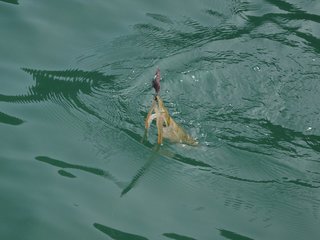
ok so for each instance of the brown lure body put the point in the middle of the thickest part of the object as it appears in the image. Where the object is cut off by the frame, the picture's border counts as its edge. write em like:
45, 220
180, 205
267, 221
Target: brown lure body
167, 127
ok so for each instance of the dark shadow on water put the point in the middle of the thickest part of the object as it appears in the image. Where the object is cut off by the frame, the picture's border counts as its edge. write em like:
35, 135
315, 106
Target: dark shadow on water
61, 86
232, 235
302, 183
168, 39
242, 179
280, 134
177, 236
117, 234
65, 165
64, 87
7, 119
160, 18
293, 14
141, 171
11, 1
66, 174
277, 138
284, 5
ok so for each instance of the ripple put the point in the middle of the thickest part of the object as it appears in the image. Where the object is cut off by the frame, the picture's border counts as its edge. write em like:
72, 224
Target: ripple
117, 96
55, 84
160, 18
243, 179
227, 109
244, 80
302, 183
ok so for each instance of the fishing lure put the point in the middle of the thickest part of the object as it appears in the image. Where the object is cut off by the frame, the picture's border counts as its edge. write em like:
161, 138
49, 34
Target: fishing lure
167, 127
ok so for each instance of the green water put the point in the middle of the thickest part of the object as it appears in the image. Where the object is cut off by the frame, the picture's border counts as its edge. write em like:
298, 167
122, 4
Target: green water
240, 76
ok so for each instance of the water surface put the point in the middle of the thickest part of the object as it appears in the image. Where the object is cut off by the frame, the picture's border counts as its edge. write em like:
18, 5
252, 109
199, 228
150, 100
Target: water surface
240, 76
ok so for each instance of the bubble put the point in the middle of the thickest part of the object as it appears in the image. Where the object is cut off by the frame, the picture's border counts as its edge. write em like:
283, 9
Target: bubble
309, 128
256, 68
